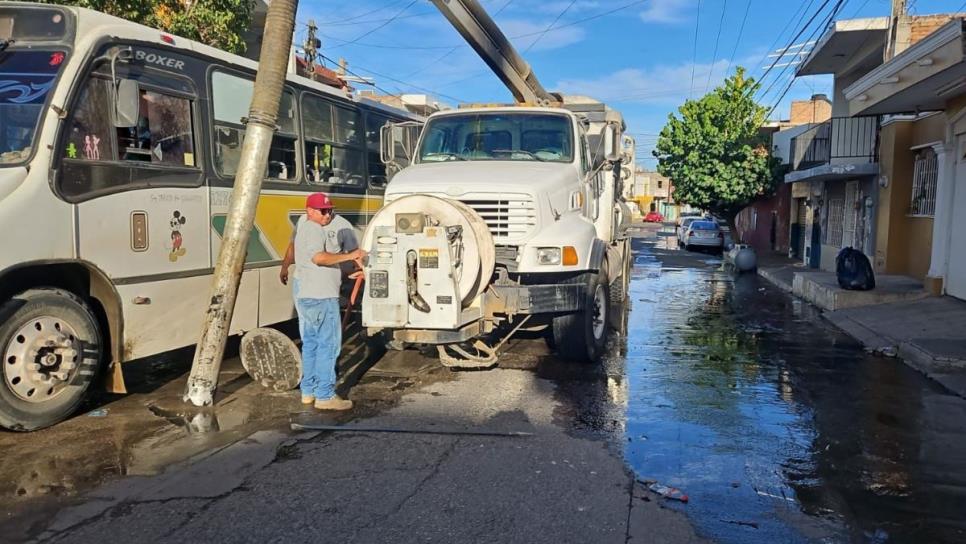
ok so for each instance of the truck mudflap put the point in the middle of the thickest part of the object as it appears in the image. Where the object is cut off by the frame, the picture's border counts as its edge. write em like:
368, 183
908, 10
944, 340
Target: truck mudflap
535, 299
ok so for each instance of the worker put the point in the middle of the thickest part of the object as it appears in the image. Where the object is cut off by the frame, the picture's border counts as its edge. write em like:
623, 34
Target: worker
323, 242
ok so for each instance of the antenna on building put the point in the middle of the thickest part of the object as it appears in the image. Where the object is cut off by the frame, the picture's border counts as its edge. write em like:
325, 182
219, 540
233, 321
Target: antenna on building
346, 75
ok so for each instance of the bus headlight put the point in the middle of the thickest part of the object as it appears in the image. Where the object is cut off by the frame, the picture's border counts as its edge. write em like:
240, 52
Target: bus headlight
548, 255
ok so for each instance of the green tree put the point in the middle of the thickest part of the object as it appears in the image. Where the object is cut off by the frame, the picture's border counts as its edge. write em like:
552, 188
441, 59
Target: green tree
218, 23
715, 154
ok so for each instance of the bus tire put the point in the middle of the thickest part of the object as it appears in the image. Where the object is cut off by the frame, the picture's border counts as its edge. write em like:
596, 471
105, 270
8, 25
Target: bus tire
51, 348
582, 336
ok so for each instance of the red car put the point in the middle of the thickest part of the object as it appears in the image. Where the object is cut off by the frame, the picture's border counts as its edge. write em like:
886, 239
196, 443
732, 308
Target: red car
653, 217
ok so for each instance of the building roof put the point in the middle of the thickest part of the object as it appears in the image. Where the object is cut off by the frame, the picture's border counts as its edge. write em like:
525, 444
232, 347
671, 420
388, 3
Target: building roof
845, 45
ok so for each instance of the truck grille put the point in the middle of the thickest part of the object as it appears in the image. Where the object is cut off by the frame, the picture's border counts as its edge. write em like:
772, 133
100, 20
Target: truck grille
511, 216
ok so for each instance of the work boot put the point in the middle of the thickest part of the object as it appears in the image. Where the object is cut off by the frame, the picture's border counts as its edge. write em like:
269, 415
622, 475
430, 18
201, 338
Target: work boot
308, 399
334, 403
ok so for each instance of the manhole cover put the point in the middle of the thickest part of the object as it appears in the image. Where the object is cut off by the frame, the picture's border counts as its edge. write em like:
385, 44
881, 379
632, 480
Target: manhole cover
271, 359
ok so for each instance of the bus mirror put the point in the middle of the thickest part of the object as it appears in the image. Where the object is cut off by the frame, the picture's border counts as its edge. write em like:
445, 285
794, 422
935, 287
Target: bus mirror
612, 143
387, 144
127, 100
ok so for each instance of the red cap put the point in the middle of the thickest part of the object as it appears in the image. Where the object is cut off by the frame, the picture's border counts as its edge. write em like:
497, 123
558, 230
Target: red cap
319, 201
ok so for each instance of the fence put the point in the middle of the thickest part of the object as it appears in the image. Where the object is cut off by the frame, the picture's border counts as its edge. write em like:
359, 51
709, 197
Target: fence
837, 138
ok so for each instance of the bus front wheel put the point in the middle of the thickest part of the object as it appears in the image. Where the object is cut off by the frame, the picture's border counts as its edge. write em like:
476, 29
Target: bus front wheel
51, 346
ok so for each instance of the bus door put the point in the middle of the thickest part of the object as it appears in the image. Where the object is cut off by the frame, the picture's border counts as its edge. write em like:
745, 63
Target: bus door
142, 204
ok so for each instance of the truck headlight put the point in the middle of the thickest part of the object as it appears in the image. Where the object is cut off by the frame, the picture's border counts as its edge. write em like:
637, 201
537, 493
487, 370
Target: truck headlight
548, 255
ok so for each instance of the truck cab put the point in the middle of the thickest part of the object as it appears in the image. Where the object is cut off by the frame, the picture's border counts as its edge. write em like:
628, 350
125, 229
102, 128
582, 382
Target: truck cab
534, 234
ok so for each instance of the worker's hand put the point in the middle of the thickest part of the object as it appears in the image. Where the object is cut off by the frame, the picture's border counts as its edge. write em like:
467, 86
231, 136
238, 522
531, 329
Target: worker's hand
283, 275
357, 274
357, 255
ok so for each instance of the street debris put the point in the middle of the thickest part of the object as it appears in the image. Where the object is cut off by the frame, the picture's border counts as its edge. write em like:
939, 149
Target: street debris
751, 524
668, 492
354, 429
99, 412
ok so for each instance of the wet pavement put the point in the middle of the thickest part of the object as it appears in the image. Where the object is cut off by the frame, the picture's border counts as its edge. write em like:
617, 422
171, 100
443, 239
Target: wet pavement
778, 426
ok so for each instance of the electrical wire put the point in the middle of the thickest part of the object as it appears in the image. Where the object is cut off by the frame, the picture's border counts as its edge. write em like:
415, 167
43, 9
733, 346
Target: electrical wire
794, 38
741, 30
517, 37
544, 33
455, 47
800, 11
390, 78
831, 17
381, 26
694, 51
717, 39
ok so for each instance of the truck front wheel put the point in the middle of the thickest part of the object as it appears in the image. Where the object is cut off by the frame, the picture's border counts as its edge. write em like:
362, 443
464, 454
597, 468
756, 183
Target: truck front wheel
581, 336
51, 347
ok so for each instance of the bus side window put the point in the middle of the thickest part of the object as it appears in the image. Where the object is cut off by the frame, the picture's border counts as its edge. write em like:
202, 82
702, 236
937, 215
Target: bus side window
348, 163
317, 127
89, 129
231, 96
163, 132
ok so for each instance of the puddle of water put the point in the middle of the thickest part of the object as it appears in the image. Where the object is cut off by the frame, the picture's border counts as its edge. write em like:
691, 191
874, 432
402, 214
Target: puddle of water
779, 428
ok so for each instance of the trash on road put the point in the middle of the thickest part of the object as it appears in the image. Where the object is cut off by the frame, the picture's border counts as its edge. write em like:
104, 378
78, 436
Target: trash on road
99, 412
668, 492
752, 524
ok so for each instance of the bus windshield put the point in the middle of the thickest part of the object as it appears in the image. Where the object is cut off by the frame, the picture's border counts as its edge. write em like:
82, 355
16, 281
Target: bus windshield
498, 137
26, 80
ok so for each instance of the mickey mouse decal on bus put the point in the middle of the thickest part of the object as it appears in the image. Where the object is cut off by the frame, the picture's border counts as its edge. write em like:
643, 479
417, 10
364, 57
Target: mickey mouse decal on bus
176, 222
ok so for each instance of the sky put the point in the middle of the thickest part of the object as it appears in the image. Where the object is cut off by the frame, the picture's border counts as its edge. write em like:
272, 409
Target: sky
644, 58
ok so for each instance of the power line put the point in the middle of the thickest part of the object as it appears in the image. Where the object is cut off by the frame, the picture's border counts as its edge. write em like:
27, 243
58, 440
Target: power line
361, 15
517, 37
831, 16
694, 51
455, 47
714, 55
801, 10
741, 30
544, 33
390, 20
794, 38
406, 83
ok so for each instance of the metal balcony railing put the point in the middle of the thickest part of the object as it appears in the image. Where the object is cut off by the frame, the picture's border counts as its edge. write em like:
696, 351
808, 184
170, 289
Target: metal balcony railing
838, 138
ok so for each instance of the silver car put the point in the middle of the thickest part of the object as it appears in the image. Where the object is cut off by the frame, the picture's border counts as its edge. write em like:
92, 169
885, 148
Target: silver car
702, 233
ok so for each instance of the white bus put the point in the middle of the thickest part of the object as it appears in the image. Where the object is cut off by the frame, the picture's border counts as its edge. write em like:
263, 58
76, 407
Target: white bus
110, 226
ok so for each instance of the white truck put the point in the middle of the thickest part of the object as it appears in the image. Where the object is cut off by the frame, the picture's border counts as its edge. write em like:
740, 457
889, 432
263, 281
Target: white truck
506, 217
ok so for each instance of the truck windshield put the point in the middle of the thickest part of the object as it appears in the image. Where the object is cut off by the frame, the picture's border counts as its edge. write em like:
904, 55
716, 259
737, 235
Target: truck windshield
498, 137
26, 79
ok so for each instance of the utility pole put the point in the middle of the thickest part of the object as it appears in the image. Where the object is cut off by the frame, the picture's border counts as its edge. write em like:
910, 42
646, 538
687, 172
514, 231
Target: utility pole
312, 45
260, 127
897, 40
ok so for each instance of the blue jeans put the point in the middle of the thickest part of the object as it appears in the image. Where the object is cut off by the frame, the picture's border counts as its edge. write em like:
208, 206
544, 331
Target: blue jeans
321, 331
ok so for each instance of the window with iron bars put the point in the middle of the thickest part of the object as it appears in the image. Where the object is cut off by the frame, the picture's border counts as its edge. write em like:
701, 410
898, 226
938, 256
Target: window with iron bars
836, 220
924, 178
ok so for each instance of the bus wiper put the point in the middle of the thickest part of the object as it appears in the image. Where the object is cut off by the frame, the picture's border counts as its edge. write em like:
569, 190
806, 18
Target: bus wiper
4, 44
512, 151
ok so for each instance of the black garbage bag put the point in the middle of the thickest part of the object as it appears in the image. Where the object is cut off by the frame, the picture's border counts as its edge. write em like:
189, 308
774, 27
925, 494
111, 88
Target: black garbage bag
854, 271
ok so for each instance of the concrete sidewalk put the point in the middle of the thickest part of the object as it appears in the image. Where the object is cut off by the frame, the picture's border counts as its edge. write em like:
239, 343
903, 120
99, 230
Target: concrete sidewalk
929, 335
897, 318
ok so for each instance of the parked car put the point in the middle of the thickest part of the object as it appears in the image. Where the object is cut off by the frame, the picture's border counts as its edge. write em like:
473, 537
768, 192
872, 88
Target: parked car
682, 228
702, 233
654, 217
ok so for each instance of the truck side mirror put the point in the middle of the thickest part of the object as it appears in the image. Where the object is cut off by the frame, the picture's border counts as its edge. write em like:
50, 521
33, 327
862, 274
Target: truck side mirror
612, 143
127, 101
387, 144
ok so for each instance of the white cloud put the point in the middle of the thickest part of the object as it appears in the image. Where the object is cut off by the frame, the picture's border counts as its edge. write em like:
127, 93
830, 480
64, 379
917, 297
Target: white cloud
665, 85
666, 11
553, 39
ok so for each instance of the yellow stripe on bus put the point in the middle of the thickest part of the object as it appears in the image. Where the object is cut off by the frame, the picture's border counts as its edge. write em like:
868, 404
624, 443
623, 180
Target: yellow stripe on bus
272, 215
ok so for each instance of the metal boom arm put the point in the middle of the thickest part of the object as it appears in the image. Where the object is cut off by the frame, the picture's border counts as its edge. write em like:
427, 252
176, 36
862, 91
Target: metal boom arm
485, 37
